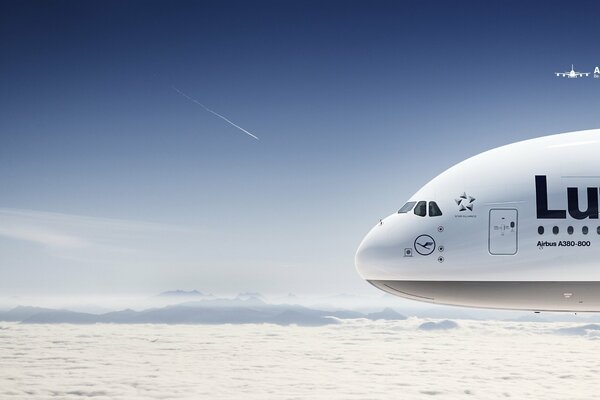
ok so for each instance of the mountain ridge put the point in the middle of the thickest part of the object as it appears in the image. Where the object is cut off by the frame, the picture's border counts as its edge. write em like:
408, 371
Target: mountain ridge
240, 310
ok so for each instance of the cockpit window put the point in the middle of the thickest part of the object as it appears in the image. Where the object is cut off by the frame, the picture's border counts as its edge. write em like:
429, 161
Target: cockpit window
434, 210
407, 207
421, 209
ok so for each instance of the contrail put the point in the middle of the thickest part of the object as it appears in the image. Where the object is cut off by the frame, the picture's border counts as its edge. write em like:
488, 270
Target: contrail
213, 112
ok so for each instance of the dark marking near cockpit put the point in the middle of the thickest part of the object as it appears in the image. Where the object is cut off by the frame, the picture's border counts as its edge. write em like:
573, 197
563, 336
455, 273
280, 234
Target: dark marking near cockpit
424, 245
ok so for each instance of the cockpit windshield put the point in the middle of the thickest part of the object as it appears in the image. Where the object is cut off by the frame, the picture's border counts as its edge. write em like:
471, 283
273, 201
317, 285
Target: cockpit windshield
422, 209
407, 207
434, 210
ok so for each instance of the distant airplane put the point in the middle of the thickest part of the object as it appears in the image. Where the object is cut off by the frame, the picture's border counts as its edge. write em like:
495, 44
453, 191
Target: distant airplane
516, 227
572, 73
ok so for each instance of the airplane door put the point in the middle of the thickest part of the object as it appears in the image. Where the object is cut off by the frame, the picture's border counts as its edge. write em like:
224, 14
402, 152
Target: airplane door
502, 239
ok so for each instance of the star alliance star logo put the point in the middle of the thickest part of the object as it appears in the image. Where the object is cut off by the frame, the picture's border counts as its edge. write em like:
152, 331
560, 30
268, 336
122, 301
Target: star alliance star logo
465, 202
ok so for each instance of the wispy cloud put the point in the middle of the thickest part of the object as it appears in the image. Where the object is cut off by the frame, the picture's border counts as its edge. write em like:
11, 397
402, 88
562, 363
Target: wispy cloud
41, 236
63, 234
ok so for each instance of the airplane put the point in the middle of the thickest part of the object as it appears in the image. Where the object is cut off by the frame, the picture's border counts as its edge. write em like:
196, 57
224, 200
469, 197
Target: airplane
572, 73
516, 227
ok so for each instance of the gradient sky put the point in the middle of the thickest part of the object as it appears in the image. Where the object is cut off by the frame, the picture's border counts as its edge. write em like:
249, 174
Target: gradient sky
112, 183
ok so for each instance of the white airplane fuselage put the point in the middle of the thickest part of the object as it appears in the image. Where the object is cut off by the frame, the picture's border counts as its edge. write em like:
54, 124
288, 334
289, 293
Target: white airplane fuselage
519, 229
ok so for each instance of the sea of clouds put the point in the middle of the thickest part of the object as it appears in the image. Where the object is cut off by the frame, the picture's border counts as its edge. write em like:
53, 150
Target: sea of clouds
356, 359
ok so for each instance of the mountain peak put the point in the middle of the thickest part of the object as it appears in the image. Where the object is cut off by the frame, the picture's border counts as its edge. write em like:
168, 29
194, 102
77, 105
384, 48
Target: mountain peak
251, 296
387, 313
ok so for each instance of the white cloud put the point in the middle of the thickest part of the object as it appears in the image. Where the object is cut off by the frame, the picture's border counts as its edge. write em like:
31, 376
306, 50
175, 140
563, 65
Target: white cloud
357, 359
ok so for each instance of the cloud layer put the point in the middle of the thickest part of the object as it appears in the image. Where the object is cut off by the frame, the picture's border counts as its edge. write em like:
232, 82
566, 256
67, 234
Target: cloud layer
356, 359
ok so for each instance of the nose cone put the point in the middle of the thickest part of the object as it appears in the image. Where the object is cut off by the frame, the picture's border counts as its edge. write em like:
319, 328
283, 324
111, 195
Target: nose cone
380, 252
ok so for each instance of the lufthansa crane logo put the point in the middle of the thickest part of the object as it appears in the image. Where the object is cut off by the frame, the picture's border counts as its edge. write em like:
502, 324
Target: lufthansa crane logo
465, 202
424, 245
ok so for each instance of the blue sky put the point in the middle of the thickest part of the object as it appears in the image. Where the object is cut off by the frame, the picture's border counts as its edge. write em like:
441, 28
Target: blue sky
113, 183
